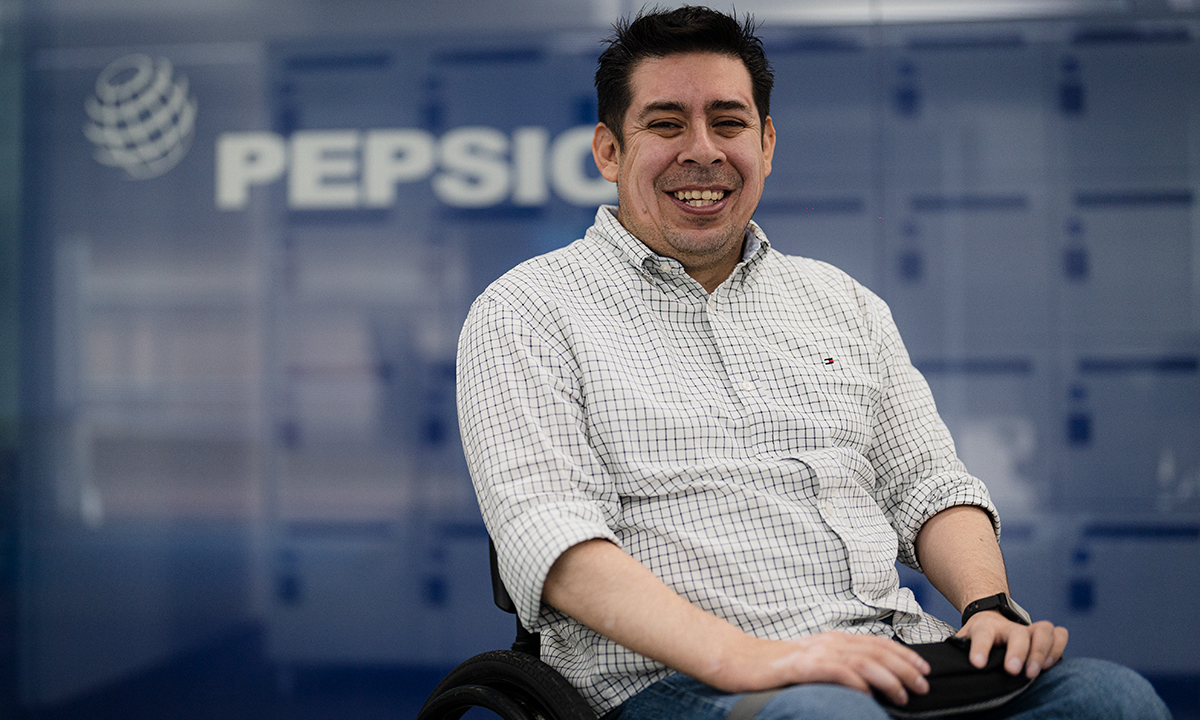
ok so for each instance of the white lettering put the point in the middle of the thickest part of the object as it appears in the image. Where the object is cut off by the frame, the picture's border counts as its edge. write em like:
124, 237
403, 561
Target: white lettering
529, 166
324, 170
475, 173
394, 156
475, 167
569, 156
245, 159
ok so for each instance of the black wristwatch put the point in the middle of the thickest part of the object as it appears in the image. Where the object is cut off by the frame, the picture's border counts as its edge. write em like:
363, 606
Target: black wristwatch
1000, 602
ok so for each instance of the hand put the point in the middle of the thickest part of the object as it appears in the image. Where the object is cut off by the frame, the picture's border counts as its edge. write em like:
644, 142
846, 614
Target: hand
606, 589
1032, 647
859, 662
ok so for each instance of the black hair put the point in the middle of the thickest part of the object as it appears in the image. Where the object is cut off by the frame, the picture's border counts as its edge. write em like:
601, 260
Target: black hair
659, 33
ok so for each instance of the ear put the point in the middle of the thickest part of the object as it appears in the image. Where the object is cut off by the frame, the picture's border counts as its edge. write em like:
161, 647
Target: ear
606, 152
768, 145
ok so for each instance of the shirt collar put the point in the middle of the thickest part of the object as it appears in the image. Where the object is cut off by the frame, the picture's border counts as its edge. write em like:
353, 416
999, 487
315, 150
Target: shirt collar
637, 253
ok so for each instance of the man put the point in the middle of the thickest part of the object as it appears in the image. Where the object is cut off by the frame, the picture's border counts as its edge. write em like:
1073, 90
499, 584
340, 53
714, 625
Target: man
700, 459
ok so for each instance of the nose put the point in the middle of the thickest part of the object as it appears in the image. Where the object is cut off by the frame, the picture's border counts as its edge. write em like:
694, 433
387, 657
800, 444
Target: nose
701, 147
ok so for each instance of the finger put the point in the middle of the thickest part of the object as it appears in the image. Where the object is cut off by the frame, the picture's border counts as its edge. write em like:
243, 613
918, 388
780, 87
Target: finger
904, 664
848, 678
912, 670
885, 682
914, 658
982, 640
1040, 647
896, 654
892, 652
1061, 637
1017, 653
887, 667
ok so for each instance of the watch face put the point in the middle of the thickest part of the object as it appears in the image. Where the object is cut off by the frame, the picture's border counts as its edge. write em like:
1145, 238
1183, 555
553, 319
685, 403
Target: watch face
1017, 610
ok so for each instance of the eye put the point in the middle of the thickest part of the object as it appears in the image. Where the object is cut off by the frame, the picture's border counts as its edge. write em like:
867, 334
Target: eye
664, 125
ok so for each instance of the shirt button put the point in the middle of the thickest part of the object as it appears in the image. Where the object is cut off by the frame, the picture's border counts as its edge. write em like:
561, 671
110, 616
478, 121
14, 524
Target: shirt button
747, 387
712, 303
665, 267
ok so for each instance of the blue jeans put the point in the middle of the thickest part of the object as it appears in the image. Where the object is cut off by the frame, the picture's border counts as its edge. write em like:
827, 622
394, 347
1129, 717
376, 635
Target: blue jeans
1073, 688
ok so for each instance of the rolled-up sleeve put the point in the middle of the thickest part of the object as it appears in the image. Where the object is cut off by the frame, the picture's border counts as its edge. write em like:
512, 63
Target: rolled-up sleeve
540, 486
918, 470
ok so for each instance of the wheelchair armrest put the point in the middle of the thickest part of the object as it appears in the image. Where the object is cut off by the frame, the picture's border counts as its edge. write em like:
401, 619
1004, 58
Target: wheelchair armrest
499, 593
526, 642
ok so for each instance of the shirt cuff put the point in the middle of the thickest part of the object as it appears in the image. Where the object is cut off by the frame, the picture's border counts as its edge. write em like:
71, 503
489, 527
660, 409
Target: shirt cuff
972, 493
530, 544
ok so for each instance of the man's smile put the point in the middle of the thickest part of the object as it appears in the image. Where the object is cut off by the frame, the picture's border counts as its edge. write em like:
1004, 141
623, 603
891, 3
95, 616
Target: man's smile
701, 192
699, 198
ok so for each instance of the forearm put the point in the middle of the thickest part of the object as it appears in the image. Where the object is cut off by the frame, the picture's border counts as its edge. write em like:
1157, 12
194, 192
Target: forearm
959, 555
602, 587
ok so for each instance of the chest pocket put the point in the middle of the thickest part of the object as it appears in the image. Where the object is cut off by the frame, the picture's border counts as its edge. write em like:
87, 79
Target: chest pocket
813, 395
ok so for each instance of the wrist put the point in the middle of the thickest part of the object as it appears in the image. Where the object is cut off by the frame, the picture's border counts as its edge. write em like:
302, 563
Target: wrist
734, 663
1001, 603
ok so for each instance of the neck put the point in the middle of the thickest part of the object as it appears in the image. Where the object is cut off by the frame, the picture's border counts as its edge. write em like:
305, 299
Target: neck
710, 278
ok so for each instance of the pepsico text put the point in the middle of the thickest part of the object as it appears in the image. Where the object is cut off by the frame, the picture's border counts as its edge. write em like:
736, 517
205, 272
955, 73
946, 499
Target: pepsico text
469, 167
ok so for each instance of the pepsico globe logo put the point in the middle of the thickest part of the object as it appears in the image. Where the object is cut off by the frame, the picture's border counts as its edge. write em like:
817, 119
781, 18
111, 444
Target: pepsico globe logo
141, 117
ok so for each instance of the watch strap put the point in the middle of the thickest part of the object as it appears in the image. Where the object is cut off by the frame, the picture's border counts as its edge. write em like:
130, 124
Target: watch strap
1000, 602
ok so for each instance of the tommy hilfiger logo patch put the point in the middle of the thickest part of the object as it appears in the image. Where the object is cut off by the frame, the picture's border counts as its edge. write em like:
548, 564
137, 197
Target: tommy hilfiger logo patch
828, 361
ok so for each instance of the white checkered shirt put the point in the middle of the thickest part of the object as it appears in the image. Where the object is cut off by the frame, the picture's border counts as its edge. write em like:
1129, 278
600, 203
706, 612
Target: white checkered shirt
768, 450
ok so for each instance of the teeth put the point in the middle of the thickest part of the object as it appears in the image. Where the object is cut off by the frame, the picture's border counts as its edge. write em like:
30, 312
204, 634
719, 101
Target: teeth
699, 198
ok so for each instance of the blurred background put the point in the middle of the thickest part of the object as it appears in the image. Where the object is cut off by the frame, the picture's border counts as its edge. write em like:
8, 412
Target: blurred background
238, 239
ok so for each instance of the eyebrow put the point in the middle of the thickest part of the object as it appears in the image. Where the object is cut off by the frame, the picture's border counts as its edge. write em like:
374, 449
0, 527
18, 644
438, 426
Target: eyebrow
673, 106
728, 105
661, 106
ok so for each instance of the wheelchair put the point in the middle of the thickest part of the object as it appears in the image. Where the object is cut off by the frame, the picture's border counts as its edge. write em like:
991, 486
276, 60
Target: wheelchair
514, 684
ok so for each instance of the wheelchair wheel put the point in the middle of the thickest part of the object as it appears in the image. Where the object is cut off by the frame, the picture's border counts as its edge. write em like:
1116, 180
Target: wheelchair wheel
514, 685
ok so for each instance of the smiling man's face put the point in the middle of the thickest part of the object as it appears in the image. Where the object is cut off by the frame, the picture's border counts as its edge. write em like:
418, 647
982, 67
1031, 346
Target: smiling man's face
691, 169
